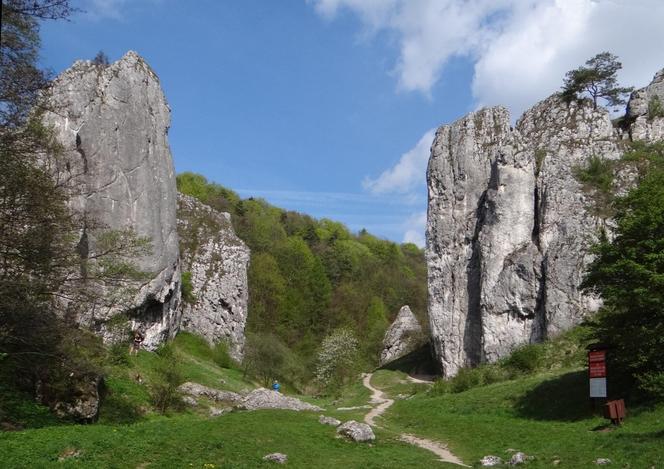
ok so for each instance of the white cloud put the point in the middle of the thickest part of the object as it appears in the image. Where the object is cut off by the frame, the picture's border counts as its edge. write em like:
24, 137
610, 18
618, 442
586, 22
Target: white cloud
520, 49
416, 225
408, 173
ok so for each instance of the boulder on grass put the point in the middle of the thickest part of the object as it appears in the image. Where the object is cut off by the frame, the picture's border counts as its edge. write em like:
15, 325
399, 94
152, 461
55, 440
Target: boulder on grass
360, 432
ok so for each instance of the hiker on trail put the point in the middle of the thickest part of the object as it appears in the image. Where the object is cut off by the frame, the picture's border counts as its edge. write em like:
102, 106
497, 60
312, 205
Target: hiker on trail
136, 343
276, 386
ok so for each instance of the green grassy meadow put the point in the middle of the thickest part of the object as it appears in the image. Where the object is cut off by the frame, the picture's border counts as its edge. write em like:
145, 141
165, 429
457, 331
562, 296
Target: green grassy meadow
545, 414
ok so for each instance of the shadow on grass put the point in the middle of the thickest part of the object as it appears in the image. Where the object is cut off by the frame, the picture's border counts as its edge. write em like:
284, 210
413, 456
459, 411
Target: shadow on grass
116, 409
637, 438
564, 398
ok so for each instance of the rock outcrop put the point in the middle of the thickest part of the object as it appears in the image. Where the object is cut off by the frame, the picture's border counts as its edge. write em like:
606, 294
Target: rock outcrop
112, 122
356, 431
402, 337
262, 398
216, 261
646, 110
191, 389
509, 225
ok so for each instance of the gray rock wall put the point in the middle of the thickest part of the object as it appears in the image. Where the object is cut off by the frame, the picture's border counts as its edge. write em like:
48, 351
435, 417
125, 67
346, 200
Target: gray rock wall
509, 226
217, 261
113, 123
402, 337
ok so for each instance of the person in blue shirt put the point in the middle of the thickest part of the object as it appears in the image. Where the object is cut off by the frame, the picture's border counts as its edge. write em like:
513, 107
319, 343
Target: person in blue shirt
276, 386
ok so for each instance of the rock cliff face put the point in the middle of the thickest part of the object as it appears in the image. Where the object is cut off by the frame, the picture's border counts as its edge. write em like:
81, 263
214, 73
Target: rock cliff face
216, 259
113, 122
402, 337
509, 225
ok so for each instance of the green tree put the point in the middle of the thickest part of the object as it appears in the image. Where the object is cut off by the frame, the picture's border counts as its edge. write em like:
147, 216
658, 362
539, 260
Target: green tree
46, 275
337, 362
628, 273
597, 80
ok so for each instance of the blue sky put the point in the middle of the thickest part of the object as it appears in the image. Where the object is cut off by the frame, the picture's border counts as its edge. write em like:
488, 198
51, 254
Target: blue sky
328, 106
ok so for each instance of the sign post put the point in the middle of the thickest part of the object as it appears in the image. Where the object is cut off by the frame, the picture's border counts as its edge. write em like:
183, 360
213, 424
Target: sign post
597, 372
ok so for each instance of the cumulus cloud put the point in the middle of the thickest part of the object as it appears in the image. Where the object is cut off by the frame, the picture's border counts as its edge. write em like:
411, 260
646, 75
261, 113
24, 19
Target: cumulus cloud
415, 227
520, 49
407, 174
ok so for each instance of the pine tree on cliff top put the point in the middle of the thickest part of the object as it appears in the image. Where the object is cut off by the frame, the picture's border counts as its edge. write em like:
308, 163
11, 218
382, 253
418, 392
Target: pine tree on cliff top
597, 80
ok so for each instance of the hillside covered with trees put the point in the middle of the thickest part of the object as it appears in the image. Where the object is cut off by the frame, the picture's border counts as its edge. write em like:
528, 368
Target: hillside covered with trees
309, 277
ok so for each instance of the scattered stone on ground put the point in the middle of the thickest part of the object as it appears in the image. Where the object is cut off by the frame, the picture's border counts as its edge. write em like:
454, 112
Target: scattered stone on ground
556, 461
216, 411
68, 453
329, 421
356, 431
279, 458
602, 461
518, 458
490, 461
198, 390
262, 398
190, 401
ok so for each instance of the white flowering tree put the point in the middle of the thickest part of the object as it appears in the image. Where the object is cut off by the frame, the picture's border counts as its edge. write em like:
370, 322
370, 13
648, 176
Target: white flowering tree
337, 359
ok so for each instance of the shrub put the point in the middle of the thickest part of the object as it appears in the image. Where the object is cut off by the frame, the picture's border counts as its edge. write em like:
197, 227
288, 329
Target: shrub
598, 174
439, 387
118, 354
655, 108
266, 358
222, 357
465, 379
187, 288
168, 376
525, 359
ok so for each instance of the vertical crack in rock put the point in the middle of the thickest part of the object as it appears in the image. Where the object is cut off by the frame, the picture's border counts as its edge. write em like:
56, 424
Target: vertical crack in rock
509, 227
111, 138
81, 152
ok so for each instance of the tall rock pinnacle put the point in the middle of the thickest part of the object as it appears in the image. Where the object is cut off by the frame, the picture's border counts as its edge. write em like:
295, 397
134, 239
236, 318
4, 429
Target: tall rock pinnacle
113, 123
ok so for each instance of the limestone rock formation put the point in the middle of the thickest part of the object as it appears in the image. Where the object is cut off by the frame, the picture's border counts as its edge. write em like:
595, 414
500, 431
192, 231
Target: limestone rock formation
509, 225
262, 398
279, 458
325, 420
113, 122
642, 104
191, 389
356, 431
216, 260
402, 337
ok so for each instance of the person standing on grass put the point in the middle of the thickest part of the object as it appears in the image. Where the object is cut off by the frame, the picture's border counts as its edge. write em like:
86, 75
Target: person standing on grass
136, 342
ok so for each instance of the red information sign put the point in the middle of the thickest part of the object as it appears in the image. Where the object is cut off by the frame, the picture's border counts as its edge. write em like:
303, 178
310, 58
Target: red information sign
597, 363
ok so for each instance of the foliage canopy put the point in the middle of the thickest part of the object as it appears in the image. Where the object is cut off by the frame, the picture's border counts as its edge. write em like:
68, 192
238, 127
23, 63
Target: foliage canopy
597, 80
628, 272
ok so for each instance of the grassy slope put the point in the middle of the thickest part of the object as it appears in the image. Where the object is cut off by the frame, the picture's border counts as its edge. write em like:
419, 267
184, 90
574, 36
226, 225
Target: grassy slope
128, 436
237, 440
547, 416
